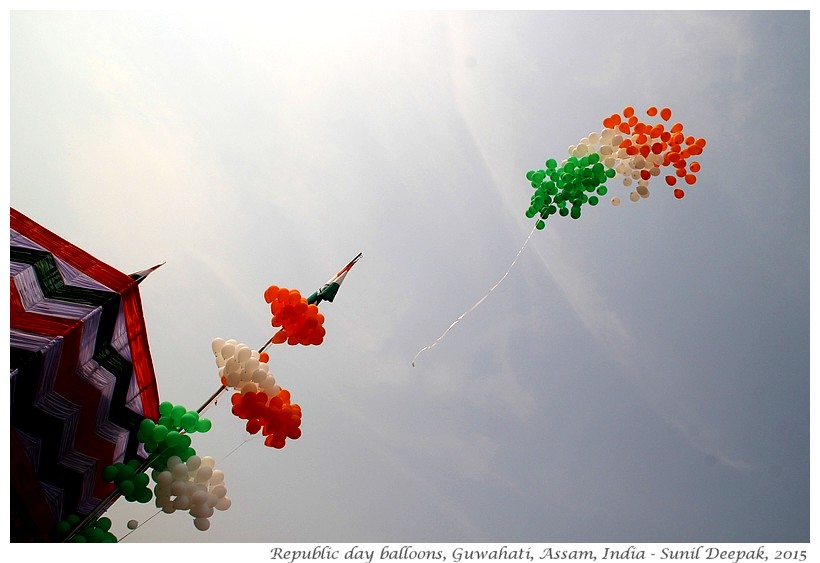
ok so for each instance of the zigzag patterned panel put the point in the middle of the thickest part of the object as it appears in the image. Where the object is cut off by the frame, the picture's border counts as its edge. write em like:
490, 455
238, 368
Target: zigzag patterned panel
81, 377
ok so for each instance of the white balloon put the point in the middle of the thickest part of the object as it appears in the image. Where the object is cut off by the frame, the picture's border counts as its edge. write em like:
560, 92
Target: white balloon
164, 478
180, 471
179, 488
193, 462
243, 353
251, 364
593, 138
259, 375
219, 491
250, 387
182, 502
217, 477
172, 461
633, 196
232, 365
233, 380
204, 474
223, 504
199, 498
638, 162
202, 524
616, 201
228, 350
212, 500
208, 461
217, 344
132, 524
268, 383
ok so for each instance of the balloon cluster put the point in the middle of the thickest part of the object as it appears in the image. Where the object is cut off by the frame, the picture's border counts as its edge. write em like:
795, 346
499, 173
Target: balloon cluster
568, 184
193, 485
95, 532
276, 417
129, 480
169, 436
260, 401
243, 368
627, 147
301, 321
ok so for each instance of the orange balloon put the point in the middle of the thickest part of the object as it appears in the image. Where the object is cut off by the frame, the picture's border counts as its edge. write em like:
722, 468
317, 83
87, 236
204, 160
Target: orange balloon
694, 166
652, 111
671, 180
666, 113
690, 178
629, 111
679, 193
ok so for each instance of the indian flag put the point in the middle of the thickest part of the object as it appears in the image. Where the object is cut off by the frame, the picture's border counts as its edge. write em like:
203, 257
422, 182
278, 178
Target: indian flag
328, 291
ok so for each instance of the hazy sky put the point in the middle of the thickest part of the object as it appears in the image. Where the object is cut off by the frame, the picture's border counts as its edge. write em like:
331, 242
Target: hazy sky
641, 375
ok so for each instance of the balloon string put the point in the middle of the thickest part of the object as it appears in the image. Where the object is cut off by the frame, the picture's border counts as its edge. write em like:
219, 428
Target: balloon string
465, 313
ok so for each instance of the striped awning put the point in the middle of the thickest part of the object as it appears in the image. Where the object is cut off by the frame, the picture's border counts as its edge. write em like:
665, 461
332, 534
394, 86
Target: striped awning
82, 378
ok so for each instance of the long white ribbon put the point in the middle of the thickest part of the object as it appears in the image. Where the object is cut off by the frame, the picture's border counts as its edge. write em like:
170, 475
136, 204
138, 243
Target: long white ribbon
465, 313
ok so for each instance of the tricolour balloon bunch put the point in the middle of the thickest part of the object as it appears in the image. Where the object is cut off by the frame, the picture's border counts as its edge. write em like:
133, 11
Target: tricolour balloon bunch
628, 148
97, 531
193, 485
260, 400
301, 321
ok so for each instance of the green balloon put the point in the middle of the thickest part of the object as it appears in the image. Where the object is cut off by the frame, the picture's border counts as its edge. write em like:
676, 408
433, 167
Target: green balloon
203, 425
126, 488
159, 433
144, 495
540, 224
104, 523
110, 473
575, 212
141, 480
62, 529
551, 164
172, 438
165, 407
176, 413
